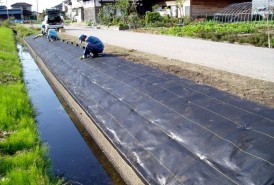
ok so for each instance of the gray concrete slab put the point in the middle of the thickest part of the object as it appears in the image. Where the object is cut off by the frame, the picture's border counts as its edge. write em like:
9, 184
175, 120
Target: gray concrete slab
244, 60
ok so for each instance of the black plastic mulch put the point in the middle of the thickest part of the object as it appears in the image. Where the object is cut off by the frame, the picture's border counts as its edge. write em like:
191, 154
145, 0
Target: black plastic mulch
171, 130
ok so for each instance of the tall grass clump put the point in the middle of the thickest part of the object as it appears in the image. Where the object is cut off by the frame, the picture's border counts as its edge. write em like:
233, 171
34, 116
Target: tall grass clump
23, 158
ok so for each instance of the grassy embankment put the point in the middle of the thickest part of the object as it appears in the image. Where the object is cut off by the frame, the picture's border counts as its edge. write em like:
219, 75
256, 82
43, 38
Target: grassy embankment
23, 158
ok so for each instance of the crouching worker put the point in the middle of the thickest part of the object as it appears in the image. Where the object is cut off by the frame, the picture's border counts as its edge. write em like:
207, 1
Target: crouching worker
52, 35
93, 45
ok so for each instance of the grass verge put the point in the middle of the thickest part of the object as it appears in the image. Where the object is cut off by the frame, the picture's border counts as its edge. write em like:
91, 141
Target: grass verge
23, 158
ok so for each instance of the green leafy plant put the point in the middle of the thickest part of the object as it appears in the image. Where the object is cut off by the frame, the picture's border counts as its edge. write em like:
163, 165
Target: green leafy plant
106, 14
254, 33
152, 17
123, 7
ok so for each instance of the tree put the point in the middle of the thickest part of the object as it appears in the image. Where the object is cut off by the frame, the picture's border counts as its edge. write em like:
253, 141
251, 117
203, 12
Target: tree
123, 6
107, 14
133, 7
180, 6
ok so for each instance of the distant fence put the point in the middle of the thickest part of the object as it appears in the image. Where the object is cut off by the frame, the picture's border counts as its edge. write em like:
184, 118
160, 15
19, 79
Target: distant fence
238, 17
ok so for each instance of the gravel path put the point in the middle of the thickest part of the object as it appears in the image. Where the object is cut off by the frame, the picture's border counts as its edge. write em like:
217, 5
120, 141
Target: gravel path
248, 61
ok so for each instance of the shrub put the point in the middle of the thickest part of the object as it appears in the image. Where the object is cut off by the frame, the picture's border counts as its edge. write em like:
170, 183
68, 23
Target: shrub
90, 23
136, 21
231, 38
152, 17
5, 23
106, 14
123, 26
187, 20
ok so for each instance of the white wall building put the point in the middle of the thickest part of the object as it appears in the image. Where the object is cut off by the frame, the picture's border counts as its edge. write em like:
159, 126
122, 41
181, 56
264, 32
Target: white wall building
83, 10
172, 9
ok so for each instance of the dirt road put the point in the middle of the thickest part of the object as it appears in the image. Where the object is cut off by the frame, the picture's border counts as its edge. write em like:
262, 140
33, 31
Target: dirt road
245, 71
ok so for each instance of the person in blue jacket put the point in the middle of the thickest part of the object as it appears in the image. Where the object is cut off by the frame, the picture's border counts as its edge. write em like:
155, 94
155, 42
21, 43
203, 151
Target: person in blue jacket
52, 35
93, 45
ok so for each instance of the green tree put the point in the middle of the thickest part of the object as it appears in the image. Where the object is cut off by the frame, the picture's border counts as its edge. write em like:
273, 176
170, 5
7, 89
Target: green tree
107, 14
123, 6
180, 7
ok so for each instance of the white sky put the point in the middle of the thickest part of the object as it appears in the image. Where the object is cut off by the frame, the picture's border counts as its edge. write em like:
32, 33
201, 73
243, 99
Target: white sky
42, 4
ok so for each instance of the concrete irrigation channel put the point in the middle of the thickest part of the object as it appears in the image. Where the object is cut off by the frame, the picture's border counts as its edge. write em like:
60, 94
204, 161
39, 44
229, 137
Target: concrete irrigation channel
157, 128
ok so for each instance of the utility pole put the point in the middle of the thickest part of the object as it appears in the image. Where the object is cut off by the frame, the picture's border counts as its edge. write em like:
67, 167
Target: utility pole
37, 10
37, 6
268, 31
7, 10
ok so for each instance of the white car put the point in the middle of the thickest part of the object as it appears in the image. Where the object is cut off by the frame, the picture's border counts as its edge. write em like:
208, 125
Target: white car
53, 20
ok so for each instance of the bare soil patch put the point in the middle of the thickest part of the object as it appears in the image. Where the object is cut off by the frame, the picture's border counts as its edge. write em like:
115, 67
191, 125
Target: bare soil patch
248, 88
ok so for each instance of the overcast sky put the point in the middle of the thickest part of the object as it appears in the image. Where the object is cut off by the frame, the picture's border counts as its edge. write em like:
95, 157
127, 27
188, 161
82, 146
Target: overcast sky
42, 4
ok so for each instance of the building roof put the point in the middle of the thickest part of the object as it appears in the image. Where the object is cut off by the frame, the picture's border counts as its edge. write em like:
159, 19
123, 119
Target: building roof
59, 6
21, 4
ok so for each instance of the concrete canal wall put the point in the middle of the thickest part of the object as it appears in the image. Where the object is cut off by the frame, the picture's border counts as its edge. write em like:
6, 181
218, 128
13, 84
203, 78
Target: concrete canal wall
124, 169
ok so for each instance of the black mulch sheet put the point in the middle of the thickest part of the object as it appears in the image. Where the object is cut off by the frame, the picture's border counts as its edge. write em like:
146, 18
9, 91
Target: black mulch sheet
171, 130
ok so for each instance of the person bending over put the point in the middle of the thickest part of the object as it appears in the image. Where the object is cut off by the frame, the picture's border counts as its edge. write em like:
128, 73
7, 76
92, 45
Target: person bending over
93, 45
52, 35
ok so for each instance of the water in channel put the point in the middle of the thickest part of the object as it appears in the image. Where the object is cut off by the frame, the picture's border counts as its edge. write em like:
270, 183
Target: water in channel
71, 150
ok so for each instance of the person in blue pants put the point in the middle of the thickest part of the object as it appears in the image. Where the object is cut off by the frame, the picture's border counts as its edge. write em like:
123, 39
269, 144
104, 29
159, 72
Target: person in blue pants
93, 45
52, 35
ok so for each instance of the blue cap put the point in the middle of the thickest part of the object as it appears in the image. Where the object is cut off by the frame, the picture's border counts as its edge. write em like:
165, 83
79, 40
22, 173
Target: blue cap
81, 37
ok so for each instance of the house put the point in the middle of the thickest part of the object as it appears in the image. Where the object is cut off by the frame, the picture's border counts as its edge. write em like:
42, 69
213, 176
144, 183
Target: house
67, 8
83, 10
192, 8
59, 7
88, 10
10, 13
74, 10
26, 10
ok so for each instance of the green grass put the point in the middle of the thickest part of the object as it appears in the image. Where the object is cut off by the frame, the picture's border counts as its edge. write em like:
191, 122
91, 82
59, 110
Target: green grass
23, 159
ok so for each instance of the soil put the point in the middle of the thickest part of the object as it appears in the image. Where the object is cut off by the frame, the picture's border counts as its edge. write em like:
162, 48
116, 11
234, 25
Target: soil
255, 90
